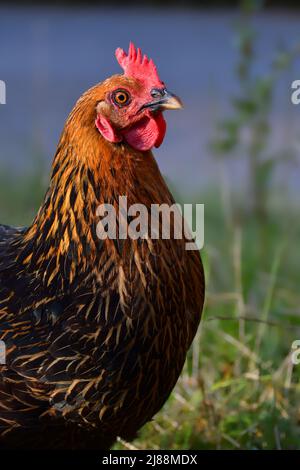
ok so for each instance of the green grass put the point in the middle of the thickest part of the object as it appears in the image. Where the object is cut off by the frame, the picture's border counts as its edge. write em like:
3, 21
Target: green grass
239, 389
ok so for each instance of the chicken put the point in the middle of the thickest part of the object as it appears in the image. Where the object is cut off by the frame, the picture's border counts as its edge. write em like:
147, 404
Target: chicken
96, 330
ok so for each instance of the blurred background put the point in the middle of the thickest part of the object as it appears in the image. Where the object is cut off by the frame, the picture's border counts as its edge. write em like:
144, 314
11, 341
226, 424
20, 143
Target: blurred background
235, 147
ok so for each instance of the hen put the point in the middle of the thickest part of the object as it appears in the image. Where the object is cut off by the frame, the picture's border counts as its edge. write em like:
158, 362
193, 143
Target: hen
96, 330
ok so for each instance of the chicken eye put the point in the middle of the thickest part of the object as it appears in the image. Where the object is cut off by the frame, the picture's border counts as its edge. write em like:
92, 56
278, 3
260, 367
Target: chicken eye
121, 97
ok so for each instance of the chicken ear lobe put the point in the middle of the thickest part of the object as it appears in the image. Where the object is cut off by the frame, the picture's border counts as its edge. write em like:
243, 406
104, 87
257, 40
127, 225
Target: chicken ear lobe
106, 130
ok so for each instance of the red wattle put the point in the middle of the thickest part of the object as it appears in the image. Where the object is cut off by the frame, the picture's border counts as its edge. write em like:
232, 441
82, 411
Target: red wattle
147, 133
162, 126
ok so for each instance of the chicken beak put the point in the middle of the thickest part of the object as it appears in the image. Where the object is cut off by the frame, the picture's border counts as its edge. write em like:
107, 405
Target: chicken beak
170, 101
167, 100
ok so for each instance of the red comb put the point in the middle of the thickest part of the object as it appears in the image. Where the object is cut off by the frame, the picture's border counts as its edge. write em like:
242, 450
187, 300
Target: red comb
135, 65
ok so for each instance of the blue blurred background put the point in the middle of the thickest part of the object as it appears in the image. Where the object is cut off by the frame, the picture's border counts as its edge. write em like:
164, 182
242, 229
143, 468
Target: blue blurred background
49, 56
